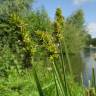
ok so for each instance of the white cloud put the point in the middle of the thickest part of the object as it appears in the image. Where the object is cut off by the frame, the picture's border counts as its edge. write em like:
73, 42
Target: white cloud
91, 28
78, 2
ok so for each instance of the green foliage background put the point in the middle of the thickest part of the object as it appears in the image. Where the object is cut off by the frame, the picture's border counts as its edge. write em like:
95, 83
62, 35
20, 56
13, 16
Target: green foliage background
30, 40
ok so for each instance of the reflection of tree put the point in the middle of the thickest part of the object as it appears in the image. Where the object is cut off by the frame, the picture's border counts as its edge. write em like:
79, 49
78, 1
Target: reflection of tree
77, 66
93, 41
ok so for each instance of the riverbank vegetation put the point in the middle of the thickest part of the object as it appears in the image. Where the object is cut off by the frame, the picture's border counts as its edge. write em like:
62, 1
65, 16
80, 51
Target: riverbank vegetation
35, 51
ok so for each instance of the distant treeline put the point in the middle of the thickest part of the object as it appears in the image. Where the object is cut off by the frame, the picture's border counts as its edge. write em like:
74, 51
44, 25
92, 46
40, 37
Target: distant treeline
91, 41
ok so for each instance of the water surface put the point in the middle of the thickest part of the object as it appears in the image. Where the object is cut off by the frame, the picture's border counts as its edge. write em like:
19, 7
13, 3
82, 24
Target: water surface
83, 64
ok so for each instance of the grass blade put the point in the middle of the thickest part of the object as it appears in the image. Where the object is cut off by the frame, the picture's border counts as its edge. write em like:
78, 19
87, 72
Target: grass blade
41, 92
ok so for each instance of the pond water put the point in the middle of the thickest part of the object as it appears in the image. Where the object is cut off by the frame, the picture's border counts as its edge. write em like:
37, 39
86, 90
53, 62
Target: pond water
82, 64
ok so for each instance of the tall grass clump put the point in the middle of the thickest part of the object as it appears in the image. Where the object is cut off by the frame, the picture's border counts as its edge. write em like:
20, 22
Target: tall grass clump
64, 84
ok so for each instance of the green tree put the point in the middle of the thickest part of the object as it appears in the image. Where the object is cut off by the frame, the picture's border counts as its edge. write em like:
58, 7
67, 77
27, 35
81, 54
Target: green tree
77, 19
73, 39
44, 22
93, 41
22, 7
88, 40
10, 33
39, 20
75, 33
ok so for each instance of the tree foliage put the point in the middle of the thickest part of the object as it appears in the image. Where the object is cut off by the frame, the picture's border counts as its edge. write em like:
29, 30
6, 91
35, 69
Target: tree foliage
93, 41
75, 33
77, 19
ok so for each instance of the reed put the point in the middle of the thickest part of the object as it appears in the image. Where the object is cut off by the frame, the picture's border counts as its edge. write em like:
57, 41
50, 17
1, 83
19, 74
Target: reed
93, 78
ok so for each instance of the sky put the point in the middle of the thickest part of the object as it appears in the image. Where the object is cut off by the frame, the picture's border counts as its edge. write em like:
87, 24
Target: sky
69, 7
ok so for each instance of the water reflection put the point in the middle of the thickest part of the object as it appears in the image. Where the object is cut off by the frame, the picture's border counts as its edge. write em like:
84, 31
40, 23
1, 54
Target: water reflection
82, 64
89, 62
